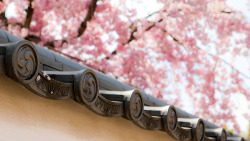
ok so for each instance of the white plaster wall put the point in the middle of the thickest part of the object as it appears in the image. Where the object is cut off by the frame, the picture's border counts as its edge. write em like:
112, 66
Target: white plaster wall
25, 116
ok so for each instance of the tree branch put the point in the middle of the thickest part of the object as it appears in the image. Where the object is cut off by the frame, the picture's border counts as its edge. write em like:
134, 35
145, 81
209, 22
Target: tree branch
33, 38
226, 12
71, 57
131, 38
232, 67
153, 24
3, 19
152, 14
77, 59
29, 15
49, 44
28, 18
88, 17
83, 26
212, 55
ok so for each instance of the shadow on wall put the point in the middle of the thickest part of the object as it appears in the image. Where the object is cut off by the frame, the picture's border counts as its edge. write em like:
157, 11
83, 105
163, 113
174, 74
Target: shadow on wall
26, 116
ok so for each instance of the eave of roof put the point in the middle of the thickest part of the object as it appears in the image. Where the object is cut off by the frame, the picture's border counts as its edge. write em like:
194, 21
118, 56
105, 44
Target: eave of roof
64, 73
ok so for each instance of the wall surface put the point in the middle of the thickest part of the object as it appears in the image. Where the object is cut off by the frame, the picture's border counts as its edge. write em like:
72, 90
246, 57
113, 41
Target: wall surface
25, 116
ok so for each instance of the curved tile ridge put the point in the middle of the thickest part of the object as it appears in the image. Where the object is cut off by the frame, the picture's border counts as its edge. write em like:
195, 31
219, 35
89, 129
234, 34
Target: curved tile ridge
50, 61
21, 63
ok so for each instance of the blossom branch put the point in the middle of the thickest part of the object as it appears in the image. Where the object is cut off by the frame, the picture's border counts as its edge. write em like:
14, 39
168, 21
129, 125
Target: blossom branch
69, 56
82, 27
29, 15
131, 38
152, 14
226, 12
3, 19
88, 17
217, 58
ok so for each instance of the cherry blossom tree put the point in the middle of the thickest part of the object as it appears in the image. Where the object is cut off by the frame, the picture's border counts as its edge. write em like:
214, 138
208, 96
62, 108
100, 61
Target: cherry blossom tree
175, 53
